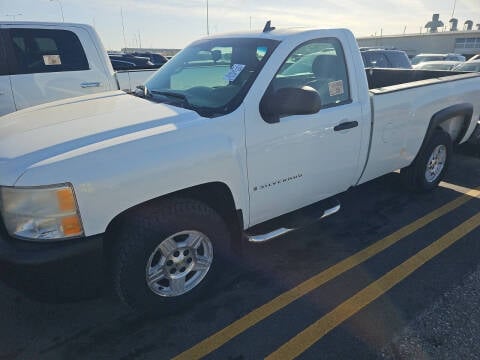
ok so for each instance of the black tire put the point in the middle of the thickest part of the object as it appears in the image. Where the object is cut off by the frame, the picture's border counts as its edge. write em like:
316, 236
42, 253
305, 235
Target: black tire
415, 175
139, 237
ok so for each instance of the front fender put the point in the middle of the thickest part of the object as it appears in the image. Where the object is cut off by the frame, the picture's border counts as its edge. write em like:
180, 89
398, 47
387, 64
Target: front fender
112, 179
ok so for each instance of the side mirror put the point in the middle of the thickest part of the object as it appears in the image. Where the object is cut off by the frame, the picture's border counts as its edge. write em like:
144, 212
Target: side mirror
140, 91
216, 55
289, 101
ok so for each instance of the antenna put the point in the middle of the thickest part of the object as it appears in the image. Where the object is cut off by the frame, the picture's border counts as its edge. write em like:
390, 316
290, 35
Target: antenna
268, 27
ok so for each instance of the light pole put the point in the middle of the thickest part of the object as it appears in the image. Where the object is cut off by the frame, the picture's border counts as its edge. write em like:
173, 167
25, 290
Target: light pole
123, 28
13, 16
208, 27
453, 11
61, 8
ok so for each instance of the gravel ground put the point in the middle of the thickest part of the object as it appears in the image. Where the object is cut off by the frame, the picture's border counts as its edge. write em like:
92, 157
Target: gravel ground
447, 330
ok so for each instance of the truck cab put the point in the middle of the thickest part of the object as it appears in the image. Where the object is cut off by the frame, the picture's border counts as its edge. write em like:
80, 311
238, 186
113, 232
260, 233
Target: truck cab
43, 63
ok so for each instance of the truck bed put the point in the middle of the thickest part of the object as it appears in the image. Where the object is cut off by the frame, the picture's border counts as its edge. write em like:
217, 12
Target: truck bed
403, 103
379, 78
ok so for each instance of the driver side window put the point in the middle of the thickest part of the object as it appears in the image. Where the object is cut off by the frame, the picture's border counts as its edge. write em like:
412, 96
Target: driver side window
319, 64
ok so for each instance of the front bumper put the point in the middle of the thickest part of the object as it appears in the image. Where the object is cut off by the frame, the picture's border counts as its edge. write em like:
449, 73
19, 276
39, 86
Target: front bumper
61, 271
19, 252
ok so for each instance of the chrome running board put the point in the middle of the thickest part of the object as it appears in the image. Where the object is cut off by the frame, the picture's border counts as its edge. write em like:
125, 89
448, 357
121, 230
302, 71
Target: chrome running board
260, 237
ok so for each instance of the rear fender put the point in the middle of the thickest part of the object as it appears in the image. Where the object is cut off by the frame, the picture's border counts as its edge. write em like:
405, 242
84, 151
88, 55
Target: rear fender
454, 120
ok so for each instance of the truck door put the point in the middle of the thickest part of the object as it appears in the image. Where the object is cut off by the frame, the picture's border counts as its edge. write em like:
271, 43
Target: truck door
7, 105
302, 159
52, 64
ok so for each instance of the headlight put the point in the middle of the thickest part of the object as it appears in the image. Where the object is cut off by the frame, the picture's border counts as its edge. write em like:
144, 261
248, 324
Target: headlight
41, 213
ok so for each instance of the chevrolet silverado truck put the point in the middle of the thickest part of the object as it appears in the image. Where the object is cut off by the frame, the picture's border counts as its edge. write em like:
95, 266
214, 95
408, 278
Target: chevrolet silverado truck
43, 62
237, 138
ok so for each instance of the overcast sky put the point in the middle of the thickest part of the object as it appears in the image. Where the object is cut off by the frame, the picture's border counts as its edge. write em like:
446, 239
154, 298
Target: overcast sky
173, 24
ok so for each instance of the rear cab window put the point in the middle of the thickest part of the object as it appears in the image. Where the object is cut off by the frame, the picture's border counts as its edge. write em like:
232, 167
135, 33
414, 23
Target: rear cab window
375, 59
399, 60
386, 59
44, 51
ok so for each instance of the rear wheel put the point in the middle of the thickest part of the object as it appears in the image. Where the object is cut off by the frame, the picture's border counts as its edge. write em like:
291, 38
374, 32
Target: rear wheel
430, 165
168, 255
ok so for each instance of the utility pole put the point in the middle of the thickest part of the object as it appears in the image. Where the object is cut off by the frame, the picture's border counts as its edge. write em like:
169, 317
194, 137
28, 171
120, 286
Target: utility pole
61, 8
453, 11
123, 29
208, 26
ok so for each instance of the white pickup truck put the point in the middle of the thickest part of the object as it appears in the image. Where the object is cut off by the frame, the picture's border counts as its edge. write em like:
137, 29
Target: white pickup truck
240, 136
44, 62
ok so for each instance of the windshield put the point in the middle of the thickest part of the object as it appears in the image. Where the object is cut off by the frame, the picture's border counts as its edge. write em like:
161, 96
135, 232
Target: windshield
210, 76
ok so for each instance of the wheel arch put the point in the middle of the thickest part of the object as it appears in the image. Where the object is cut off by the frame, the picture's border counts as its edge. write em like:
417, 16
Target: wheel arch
217, 195
454, 120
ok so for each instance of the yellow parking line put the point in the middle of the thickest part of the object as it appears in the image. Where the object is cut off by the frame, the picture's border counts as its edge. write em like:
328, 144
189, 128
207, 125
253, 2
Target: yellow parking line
298, 344
219, 338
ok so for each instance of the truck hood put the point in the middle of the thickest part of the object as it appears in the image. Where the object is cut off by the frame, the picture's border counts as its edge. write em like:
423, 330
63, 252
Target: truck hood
37, 134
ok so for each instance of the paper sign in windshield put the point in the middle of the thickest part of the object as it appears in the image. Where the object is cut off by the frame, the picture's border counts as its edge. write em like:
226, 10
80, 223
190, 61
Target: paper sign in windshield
335, 88
52, 60
235, 70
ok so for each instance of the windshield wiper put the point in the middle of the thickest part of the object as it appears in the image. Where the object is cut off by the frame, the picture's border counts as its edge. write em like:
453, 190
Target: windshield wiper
172, 94
202, 111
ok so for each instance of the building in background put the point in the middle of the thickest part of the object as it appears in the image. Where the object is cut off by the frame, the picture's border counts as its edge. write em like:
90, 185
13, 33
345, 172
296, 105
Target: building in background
465, 42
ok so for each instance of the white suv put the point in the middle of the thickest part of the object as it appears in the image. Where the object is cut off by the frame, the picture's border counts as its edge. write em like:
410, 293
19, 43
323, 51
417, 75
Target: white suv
436, 57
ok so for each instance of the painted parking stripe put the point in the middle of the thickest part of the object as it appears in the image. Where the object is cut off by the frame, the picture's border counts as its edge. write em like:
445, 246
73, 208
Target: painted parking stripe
312, 334
221, 337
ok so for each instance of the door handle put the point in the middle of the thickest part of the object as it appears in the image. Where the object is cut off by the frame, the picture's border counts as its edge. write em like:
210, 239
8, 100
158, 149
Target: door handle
346, 125
90, 84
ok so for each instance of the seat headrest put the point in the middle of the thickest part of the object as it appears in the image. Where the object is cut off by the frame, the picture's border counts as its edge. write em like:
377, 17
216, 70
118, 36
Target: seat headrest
246, 57
325, 66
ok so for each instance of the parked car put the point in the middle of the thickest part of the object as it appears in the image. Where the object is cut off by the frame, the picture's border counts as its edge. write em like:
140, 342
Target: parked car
381, 58
139, 61
155, 58
160, 190
122, 65
43, 62
475, 57
473, 65
436, 57
371, 58
437, 65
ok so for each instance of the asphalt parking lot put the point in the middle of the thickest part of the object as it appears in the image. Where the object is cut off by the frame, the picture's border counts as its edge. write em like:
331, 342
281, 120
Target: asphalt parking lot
392, 275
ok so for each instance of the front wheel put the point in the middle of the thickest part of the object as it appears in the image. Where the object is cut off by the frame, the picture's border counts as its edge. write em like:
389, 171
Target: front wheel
430, 165
168, 255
